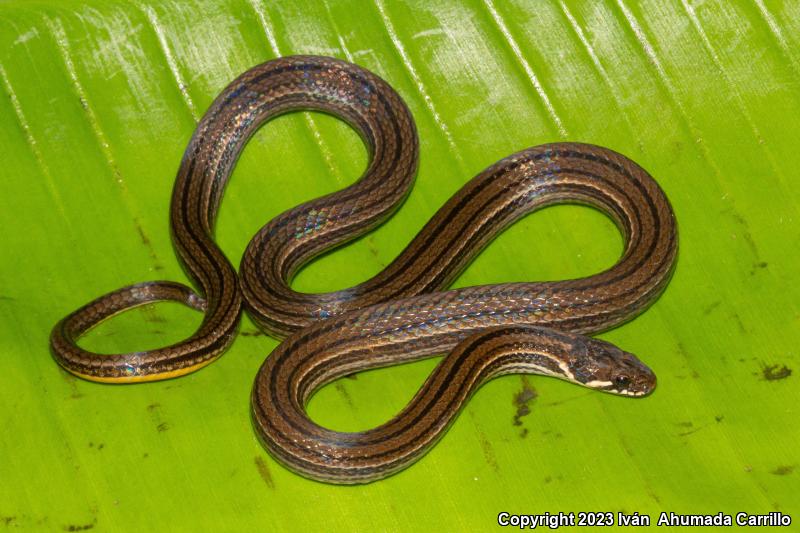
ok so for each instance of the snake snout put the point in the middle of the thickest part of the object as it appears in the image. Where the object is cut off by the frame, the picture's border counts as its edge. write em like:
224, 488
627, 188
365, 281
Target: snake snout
634, 378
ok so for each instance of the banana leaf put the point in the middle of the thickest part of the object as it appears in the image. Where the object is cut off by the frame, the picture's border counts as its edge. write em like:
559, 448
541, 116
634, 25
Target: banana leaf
98, 99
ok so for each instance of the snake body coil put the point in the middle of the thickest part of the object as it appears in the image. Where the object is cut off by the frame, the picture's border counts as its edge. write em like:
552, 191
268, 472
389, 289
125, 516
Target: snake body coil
402, 313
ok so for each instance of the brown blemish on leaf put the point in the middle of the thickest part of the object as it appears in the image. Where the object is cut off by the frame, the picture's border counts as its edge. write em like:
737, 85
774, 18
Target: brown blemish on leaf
783, 470
521, 401
79, 527
719, 418
748, 237
263, 471
690, 428
488, 451
736, 318
145, 239
374, 251
162, 427
486, 445
73, 385
682, 349
153, 406
708, 310
562, 402
346, 395
759, 265
8, 520
776, 372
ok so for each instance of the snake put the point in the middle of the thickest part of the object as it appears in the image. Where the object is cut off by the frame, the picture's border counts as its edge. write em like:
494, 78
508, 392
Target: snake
404, 313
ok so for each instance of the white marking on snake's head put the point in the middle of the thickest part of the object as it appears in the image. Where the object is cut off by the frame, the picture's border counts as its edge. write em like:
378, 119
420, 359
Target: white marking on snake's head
596, 384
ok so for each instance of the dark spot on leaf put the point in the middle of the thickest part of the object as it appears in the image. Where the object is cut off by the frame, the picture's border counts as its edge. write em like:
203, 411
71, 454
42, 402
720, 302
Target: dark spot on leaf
263, 471
719, 418
145, 455
486, 447
254, 333
783, 470
73, 385
708, 310
776, 372
548, 479
8, 520
523, 433
522, 410
346, 395
682, 349
145, 239
736, 318
488, 451
522, 399
758, 266
690, 428
101, 446
79, 527
163, 426
153, 406
748, 238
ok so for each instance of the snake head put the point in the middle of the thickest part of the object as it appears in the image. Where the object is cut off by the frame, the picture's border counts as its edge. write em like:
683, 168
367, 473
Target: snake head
605, 367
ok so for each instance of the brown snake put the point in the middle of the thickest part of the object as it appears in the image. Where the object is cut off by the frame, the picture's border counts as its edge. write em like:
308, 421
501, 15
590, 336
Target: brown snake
401, 314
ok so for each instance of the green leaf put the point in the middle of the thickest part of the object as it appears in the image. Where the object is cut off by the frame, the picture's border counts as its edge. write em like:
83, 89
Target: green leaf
98, 100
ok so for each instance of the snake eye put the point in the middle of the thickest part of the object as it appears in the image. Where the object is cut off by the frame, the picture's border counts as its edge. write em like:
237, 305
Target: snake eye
622, 381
